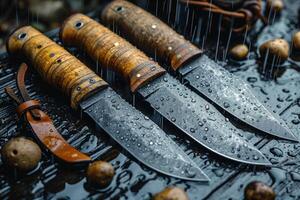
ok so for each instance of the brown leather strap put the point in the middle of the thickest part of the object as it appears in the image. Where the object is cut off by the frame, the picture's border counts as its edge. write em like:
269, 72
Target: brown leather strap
250, 11
41, 124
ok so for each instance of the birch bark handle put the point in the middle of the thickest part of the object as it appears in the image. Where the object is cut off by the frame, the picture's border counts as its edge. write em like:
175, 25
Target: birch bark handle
56, 65
149, 33
110, 50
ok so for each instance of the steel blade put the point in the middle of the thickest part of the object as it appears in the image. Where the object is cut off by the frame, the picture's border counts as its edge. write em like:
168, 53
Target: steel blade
200, 120
141, 137
206, 77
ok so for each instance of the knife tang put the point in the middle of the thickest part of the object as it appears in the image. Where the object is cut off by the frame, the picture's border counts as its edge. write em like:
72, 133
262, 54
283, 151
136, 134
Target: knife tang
150, 33
111, 50
56, 65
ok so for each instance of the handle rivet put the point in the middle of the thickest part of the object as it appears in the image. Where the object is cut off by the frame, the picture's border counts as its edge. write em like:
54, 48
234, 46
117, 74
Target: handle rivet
138, 75
58, 61
153, 68
153, 26
116, 44
78, 88
92, 81
21, 36
78, 24
39, 46
52, 55
119, 9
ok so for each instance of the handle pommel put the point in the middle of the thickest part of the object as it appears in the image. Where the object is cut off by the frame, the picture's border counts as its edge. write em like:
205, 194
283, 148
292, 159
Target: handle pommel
110, 50
149, 33
56, 65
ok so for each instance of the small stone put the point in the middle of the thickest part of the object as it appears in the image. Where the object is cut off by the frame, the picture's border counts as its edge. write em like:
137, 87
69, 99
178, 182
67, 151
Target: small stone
100, 173
296, 41
48, 10
277, 50
239, 52
21, 153
296, 47
275, 5
171, 193
259, 191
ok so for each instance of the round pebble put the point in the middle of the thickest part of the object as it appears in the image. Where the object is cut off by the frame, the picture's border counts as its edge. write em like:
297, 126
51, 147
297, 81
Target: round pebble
296, 46
100, 173
239, 52
259, 191
171, 193
296, 42
277, 50
21, 154
275, 5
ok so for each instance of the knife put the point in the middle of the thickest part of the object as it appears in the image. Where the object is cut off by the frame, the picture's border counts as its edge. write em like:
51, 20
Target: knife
177, 104
202, 75
91, 95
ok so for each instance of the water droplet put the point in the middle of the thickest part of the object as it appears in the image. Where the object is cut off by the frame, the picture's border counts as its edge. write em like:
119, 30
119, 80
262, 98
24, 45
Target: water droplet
226, 105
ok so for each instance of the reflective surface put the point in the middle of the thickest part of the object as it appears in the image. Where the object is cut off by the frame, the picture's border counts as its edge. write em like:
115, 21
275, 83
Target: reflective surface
134, 181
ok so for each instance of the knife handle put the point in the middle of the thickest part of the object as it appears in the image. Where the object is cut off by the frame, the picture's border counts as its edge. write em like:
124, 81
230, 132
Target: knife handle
110, 50
149, 33
56, 65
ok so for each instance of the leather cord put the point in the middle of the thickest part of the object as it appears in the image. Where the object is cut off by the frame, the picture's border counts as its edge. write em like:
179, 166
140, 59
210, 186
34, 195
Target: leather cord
249, 12
41, 124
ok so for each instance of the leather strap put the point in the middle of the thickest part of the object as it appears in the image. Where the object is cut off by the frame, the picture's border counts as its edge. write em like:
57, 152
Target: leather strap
41, 124
249, 12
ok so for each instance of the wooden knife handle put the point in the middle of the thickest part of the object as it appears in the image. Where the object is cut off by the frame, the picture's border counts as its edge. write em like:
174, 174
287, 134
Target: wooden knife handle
149, 33
110, 50
56, 65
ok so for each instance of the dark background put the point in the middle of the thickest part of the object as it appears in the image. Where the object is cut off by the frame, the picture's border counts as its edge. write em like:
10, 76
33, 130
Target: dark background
277, 87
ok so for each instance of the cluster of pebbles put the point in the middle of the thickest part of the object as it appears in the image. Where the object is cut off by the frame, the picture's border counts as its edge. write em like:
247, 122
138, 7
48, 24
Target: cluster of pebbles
273, 51
24, 155
276, 50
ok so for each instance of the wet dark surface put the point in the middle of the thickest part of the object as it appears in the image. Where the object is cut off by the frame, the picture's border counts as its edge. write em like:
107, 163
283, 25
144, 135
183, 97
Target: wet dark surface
279, 91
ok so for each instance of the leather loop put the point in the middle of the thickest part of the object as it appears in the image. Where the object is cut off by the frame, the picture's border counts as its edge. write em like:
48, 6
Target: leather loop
41, 124
26, 106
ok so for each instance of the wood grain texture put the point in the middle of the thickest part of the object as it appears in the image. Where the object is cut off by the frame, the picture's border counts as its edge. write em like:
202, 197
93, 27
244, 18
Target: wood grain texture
149, 33
56, 65
110, 50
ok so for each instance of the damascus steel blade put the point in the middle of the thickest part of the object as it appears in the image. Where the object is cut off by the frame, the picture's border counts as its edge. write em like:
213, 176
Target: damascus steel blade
207, 78
200, 120
141, 137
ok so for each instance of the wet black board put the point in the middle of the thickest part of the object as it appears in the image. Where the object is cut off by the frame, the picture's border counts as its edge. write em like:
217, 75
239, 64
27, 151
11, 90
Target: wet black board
135, 181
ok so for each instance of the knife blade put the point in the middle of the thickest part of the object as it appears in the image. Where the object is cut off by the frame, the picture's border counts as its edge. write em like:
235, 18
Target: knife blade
193, 115
134, 132
202, 75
